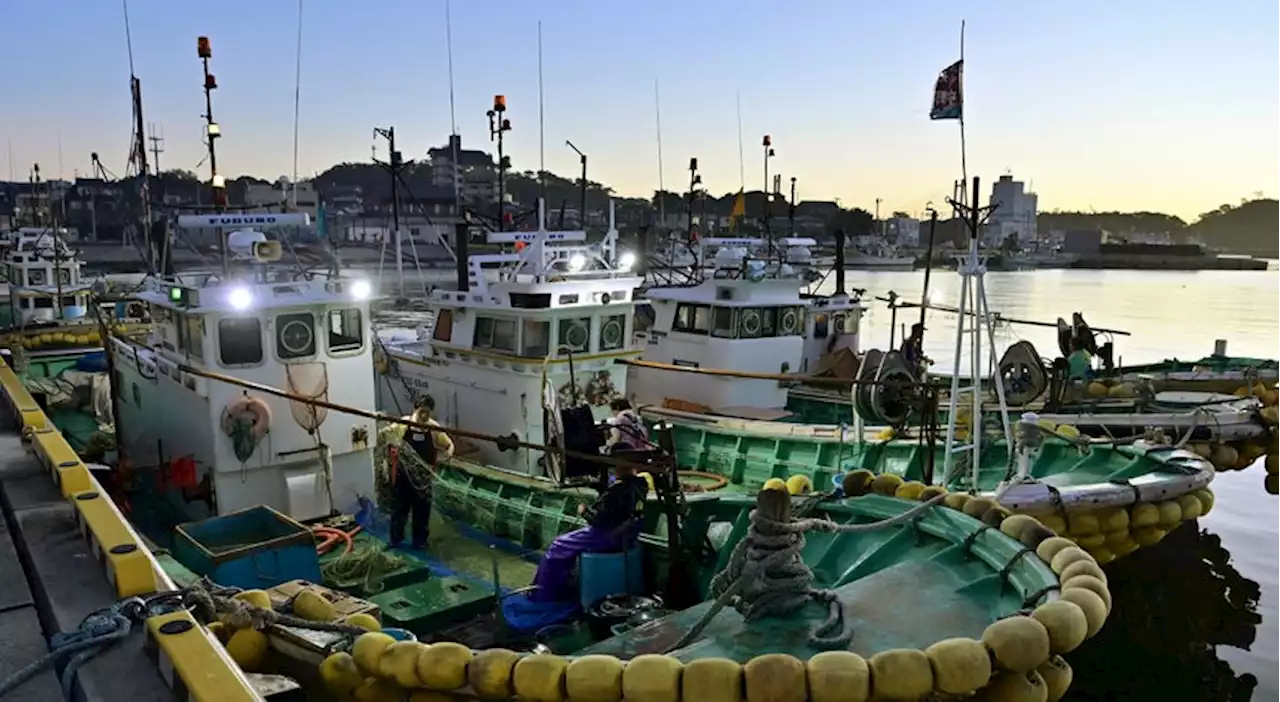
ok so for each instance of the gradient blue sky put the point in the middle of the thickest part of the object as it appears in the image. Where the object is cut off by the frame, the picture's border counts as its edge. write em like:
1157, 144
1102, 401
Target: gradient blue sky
1138, 104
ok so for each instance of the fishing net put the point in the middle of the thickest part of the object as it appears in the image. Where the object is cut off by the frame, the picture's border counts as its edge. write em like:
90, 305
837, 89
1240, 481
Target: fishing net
310, 381
454, 498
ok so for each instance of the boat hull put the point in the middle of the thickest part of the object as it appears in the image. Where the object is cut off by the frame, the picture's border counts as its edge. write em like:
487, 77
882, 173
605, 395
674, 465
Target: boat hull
1235, 420
1068, 483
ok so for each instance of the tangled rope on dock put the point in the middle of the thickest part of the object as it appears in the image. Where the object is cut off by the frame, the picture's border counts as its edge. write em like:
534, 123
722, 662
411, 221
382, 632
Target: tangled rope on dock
767, 576
210, 602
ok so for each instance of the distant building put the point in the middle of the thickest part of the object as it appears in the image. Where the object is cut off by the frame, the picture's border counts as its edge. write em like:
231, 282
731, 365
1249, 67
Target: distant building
474, 173
1083, 242
904, 231
1014, 215
282, 194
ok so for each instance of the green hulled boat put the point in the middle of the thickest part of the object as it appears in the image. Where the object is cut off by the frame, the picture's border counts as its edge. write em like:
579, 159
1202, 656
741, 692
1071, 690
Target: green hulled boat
922, 606
727, 385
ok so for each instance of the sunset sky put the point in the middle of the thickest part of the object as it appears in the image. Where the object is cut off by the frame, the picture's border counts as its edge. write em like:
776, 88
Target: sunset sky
1142, 105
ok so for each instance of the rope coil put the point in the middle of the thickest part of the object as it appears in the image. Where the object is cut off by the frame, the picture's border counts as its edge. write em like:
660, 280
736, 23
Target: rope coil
767, 576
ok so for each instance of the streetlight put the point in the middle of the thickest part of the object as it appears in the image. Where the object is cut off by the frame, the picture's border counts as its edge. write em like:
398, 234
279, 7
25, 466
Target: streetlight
767, 142
694, 181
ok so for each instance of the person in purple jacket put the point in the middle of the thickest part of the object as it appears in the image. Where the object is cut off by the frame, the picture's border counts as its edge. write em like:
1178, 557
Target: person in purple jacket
610, 521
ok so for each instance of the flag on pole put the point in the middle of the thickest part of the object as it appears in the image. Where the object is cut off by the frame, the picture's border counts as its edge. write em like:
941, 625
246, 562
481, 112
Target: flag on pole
948, 94
739, 210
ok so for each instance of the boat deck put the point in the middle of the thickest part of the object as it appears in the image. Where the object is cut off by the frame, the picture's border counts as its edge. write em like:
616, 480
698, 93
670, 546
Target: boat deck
45, 587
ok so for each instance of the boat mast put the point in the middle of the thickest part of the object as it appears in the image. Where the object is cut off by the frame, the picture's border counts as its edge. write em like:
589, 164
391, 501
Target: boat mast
662, 191
973, 293
498, 126
212, 131
395, 165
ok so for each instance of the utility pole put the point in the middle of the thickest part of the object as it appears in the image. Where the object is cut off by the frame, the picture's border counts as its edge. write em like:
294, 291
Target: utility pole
395, 166
582, 213
157, 147
791, 210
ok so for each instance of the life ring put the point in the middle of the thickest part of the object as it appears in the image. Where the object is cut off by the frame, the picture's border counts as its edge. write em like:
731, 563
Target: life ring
251, 405
751, 323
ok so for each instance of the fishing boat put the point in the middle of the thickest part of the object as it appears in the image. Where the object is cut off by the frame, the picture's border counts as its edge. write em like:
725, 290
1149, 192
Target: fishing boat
1088, 489
1232, 429
879, 257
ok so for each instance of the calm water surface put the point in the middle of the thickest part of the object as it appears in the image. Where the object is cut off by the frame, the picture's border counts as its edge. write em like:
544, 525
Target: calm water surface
1196, 617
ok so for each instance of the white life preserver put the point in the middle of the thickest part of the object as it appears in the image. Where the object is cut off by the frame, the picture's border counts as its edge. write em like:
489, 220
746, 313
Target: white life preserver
251, 405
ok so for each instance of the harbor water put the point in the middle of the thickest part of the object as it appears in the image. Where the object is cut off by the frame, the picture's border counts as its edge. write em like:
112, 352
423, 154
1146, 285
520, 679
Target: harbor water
1196, 617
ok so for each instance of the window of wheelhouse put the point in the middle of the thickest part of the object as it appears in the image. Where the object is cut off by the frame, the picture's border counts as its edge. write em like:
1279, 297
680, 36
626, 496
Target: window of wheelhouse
194, 337
496, 334
295, 335
723, 322
820, 327
442, 330
575, 335
535, 338
692, 319
613, 332
239, 341
346, 331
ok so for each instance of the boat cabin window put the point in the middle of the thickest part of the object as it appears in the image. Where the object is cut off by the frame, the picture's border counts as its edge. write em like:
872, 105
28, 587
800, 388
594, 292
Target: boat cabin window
820, 330
613, 330
37, 276
191, 335
535, 339
692, 319
295, 335
346, 333
496, 334
239, 341
575, 335
723, 322
767, 322
44, 303
442, 330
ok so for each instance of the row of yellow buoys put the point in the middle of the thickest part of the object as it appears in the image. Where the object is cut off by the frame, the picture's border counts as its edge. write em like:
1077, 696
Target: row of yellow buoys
1106, 534
86, 334
1017, 658
1239, 455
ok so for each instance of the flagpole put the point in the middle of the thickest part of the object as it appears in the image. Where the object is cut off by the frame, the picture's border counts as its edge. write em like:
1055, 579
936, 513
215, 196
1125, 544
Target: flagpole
742, 168
964, 163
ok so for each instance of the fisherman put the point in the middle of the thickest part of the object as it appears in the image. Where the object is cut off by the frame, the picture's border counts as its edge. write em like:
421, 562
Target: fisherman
626, 430
1079, 362
610, 526
913, 348
412, 492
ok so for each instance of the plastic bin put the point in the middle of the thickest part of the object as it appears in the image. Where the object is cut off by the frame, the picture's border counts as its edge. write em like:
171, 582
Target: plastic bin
604, 574
256, 547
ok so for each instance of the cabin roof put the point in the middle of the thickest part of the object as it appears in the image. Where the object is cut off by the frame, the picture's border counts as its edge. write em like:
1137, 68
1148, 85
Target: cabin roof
217, 298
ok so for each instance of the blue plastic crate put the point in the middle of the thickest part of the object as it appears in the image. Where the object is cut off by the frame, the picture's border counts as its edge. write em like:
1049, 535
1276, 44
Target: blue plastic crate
254, 548
604, 574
